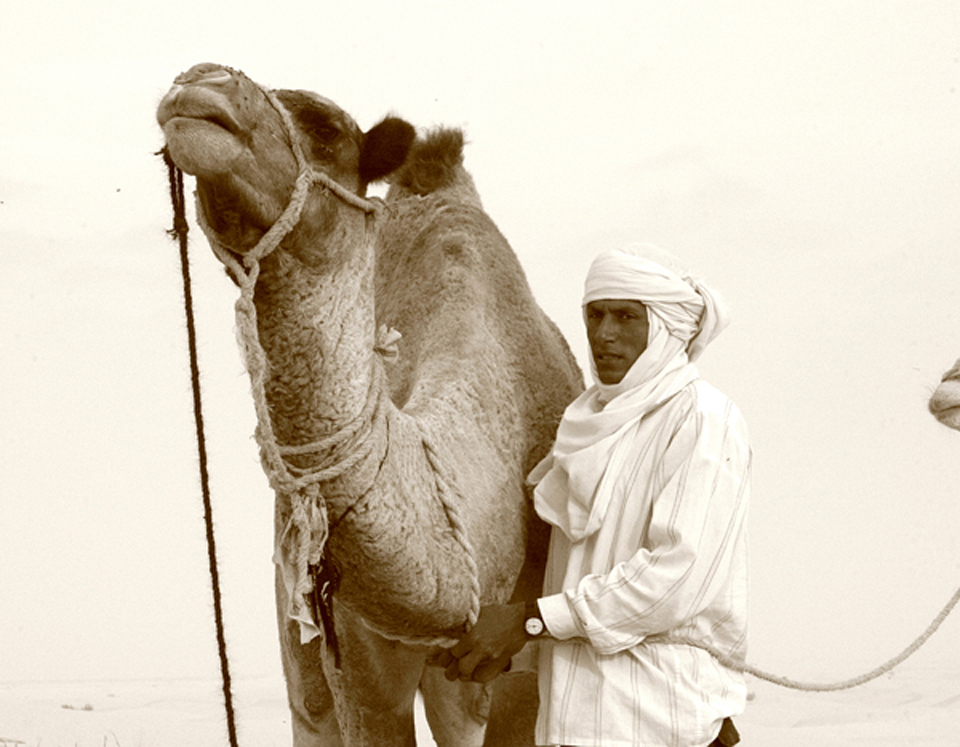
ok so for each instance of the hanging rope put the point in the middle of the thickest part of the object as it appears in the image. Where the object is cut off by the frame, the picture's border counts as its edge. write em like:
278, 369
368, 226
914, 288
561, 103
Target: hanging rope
445, 489
179, 232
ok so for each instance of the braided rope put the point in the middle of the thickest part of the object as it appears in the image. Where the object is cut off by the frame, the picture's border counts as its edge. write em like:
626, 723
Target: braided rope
308, 509
447, 496
741, 666
456, 523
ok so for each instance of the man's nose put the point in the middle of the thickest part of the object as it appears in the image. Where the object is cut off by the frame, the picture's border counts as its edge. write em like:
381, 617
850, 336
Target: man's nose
607, 329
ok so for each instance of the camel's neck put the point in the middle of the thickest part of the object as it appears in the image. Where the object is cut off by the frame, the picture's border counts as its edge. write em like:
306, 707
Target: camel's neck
316, 326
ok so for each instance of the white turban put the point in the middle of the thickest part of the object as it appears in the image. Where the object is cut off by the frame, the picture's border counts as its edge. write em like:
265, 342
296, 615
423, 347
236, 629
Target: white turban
691, 312
684, 316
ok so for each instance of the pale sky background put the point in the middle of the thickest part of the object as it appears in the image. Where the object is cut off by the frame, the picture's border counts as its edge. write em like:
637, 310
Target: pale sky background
804, 157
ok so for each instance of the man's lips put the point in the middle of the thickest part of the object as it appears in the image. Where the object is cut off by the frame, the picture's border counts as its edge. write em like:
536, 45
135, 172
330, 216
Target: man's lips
607, 357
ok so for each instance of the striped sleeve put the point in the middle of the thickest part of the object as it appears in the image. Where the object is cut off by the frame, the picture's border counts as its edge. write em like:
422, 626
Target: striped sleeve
695, 520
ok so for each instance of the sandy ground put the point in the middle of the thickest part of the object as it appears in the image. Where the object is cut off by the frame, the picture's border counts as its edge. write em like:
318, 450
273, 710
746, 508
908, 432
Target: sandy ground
916, 706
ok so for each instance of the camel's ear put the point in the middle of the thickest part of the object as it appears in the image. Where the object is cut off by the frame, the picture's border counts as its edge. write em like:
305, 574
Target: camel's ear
385, 148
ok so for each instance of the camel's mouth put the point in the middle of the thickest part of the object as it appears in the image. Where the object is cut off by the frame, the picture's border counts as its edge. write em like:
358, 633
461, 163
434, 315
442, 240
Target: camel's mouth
199, 104
204, 135
220, 122
950, 417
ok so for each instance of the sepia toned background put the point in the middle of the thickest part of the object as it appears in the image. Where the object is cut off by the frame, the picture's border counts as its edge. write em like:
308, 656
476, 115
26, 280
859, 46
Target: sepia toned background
803, 157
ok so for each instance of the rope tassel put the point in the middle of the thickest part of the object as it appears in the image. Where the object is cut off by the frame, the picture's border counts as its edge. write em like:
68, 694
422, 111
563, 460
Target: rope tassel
326, 581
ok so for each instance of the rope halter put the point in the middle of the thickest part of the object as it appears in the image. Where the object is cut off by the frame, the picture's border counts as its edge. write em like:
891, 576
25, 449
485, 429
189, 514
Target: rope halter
307, 177
309, 526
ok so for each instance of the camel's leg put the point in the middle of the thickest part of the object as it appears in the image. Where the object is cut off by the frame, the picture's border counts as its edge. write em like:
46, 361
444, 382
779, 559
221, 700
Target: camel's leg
368, 701
457, 712
375, 689
313, 718
513, 714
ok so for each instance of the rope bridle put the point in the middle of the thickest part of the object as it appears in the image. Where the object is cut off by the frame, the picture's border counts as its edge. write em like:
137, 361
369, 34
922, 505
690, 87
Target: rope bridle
341, 451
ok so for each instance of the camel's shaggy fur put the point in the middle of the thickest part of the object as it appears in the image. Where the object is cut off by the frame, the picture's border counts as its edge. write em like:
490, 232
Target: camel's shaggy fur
482, 376
433, 164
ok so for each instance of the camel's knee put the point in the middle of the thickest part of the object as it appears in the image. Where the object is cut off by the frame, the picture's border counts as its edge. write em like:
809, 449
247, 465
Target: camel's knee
314, 729
314, 719
313, 716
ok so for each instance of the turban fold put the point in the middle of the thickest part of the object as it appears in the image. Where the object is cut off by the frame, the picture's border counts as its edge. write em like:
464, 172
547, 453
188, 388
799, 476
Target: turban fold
691, 311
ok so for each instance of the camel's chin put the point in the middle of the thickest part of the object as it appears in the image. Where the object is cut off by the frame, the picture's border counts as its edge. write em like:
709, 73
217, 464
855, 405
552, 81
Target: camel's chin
945, 403
201, 147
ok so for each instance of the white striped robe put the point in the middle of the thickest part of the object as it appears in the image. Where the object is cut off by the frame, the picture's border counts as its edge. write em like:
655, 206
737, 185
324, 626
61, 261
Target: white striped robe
670, 557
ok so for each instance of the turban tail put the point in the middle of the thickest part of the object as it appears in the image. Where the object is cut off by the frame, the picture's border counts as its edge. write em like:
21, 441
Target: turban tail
684, 316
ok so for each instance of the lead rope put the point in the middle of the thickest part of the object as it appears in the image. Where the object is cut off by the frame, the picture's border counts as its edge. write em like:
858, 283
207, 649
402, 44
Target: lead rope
741, 666
179, 232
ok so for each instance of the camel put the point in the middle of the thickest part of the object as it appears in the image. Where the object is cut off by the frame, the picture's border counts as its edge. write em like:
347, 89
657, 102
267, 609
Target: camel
405, 382
945, 402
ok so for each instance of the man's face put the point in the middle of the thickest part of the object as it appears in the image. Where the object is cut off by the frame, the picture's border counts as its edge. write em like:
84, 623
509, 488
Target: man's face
617, 332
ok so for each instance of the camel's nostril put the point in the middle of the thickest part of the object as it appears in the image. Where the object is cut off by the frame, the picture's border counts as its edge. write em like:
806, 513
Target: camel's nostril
208, 73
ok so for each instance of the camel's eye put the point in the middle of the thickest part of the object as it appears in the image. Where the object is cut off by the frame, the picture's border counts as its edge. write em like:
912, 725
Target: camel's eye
322, 128
317, 124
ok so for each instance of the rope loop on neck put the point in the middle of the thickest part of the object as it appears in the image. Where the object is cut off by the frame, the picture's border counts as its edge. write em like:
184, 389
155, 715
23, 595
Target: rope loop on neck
309, 526
342, 450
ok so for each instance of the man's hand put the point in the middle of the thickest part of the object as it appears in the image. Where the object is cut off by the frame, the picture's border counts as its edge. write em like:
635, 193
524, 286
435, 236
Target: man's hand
485, 651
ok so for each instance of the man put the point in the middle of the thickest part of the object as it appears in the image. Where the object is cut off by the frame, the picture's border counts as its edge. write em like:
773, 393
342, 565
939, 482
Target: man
646, 491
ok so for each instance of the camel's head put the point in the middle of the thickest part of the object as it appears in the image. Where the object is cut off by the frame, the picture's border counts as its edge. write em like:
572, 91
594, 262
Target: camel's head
945, 402
224, 129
